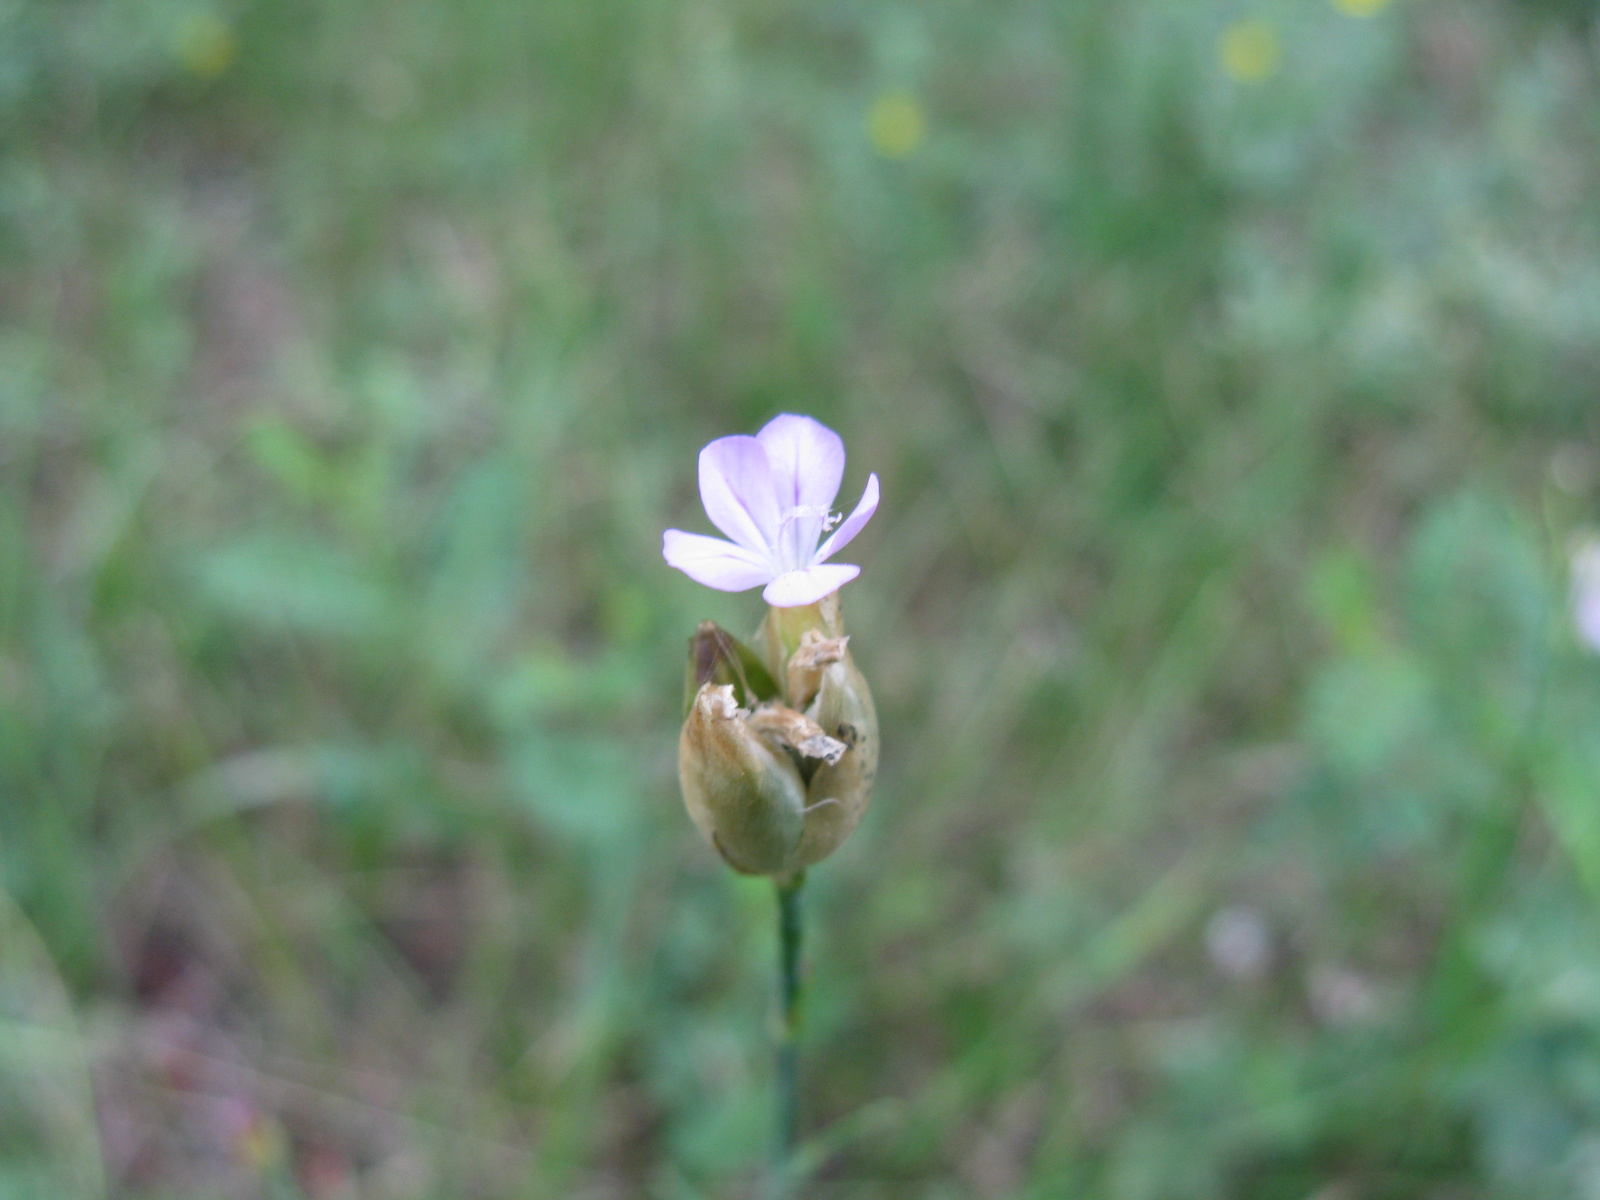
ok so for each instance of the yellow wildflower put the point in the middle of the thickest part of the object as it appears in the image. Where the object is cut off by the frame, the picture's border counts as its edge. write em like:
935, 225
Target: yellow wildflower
896, 124
206, 45
1249, 51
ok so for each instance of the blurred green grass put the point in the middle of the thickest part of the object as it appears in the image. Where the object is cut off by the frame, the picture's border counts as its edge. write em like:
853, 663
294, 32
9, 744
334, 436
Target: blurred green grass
1231, 372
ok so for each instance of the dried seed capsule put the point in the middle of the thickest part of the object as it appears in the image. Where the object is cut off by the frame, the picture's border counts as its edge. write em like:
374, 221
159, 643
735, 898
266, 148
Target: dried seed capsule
779, 783
837, 795
743, 791
807, 649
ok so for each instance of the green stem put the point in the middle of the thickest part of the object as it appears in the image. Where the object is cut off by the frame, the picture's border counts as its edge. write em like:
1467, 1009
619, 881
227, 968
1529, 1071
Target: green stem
788, 1082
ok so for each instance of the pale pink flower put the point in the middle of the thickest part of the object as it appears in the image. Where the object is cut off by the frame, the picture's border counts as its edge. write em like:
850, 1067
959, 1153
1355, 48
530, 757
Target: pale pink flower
1586, 591
773, 495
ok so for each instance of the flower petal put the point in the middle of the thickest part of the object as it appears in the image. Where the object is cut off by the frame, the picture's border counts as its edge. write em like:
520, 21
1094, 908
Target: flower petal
736, 489
807, 461
853, 523
714, 562
1587, 613
808, 585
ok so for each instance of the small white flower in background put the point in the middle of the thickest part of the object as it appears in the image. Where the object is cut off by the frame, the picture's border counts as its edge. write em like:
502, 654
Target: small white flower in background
773, 495
1586, 591
1239, 942
1572, 468
1341, 996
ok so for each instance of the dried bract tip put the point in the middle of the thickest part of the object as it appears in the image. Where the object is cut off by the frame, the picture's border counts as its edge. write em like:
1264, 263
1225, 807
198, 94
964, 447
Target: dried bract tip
798, 732
718, 703
804, 672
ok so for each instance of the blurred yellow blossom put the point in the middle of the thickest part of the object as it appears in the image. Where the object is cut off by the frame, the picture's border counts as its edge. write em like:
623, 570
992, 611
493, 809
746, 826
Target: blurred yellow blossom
256, 1138
1249, 51
205, 44
1360, 8
896, 124
261, 1146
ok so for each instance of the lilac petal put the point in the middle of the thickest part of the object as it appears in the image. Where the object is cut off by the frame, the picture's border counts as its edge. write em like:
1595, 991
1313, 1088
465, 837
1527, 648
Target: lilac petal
807, 464
714, 562
807, 460
1588, 616
808, 585
736, 489
853, 523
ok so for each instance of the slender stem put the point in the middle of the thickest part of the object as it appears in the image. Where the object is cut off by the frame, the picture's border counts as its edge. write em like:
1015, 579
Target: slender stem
788, 1082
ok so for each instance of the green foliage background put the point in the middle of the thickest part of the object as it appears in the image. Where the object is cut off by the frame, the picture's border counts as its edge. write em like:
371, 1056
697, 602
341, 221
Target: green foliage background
1237, 833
